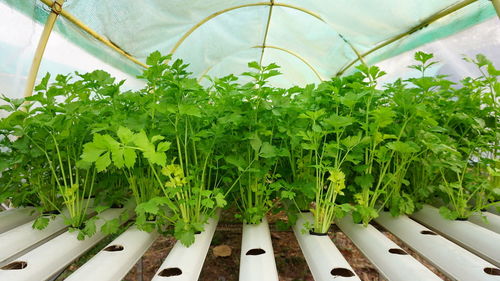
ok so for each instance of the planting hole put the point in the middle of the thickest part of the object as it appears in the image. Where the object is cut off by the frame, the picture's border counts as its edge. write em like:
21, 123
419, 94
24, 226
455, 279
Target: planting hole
427, 232
343, 272
116, 206
16, 265
53, 212
255, 252
397, 251
114, 248
171, 271
461, 219
318, 233
492, 271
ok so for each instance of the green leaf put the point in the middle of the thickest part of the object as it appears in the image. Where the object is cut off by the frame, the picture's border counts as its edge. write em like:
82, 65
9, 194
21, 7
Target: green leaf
92, 152
118, 159
129, 157
365, 181
339, 121
157, 138
124, 134
154, 58
447, 213
111, 226
403, 147
189, 109
103, 162
267, 150
99, 209
163, 146
41, 222
150, 207
256, 143
220, 200
184, 233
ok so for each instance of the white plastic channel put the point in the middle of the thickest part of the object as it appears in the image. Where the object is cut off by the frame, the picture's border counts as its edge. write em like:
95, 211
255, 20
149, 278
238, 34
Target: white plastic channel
257, 255
391, 261
53, 256
475, 238
24, 237
323, 258
185, 263
117, 258
453, 260
15, 217
492, 223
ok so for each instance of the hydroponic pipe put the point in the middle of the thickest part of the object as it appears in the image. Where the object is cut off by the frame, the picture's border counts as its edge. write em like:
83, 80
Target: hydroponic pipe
117, 258
185, 263
324, 259
453, 260
257, 255
392, 262
481, 241
15, 217
492, 221
50, 258
20, 239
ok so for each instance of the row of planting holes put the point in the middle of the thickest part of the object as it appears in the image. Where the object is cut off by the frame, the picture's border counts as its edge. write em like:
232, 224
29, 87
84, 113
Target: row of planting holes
175, 271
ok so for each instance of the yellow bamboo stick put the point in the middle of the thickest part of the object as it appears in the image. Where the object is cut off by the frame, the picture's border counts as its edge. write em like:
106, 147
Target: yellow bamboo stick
295, 55
42, 43
423, 24
203, 21
496, 4
94, 34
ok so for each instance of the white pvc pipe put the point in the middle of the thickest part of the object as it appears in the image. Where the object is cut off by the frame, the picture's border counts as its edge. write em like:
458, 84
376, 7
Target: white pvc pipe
53, 256
453, 260
392, 262
257, 255
323, 258
185, 263
15, 217
117, 258
475, 238
24, 237
492, 221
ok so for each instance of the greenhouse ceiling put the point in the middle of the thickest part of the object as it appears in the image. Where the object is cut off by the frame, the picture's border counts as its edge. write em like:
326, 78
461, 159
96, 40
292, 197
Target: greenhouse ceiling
311, 40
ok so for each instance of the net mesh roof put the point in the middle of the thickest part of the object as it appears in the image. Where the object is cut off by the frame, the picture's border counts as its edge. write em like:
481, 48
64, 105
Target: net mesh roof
311, 40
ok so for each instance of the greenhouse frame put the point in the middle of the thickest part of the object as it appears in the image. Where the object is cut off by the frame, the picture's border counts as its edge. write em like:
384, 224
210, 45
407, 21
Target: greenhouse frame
238, 140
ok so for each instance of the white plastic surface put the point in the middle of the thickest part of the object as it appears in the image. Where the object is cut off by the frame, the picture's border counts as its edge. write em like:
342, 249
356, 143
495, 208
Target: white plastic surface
257, 266
111, 263
56, 254
389, 259
492, 221
321, 254
24, 236
187, 261
451, 259
15, 217
475, 238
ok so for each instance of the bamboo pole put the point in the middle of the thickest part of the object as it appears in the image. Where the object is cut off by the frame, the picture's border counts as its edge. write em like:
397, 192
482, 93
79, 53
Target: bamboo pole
203, 21
496, 4
267, 31
423, 24
297, 56
56, 8
94, 34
